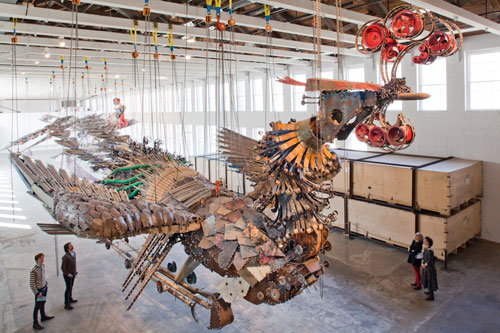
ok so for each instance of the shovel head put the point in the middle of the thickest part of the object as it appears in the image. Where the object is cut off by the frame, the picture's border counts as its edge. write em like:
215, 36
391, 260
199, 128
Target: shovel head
221, 314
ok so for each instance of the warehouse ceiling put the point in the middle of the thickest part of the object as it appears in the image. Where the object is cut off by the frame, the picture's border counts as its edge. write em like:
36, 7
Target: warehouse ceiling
45, 32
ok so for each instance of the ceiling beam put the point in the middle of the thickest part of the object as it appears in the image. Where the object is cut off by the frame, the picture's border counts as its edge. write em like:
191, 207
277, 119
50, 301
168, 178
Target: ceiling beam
38, 30
328, 11
121, 57
458, 14
125, 50
187, 11
58, 16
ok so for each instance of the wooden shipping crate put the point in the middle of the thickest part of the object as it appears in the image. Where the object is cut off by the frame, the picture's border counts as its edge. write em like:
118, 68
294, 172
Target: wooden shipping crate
444, 186
389, 182
341, 181
451, 232
391, 225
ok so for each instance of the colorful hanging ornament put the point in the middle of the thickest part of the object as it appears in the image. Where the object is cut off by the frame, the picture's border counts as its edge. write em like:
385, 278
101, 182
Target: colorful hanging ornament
14, 38
267, 13
220, 26
133, 34
231, 21
208, 18
171, 41
155, 39
146, 11
62, 62
87, 63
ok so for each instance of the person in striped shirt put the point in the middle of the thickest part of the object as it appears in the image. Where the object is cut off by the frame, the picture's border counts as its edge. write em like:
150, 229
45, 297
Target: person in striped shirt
38, 285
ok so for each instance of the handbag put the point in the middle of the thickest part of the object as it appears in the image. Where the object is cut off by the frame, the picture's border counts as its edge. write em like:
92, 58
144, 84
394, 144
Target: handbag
419, 255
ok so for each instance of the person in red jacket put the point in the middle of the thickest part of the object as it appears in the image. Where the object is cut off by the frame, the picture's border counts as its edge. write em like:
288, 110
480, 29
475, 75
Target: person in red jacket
415, 259
68, 268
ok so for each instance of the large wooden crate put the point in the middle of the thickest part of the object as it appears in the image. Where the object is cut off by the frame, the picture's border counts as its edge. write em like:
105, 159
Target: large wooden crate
389, 182
440, 187
391, 225
444, 186
451, 232
341, 181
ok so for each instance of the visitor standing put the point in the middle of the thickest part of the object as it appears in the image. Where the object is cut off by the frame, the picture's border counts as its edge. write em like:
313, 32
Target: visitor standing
68, 268
429, 273
38, 285
415, 259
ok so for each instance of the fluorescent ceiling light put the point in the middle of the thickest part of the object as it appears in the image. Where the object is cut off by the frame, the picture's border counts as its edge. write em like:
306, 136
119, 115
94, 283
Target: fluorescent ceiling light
10, 216
14, 225
9, 201
15, 209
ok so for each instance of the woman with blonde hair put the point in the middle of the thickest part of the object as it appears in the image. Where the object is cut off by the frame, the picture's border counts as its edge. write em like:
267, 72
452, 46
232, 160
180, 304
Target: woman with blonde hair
415, 258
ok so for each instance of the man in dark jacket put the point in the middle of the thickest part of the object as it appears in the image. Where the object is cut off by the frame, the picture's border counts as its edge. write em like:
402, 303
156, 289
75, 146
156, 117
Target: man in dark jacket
68, 268
38, 285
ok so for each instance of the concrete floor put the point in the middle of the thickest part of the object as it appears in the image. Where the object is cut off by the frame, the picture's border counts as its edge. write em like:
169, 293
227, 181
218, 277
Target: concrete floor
366, 288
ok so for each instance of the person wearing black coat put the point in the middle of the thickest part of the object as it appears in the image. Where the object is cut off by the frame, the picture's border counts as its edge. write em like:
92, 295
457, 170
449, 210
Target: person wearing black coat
415, 258
68, 268
429, 273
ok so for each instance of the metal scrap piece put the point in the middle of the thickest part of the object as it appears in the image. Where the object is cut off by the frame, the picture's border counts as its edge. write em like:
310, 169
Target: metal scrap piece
225, 256
230, 288
255, 274
206, 242
248, 252
208, 226
231, 232
238, 261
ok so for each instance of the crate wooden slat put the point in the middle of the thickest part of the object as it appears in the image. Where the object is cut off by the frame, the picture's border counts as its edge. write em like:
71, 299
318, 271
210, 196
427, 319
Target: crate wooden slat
387, 183
445, 186
341, 181
391, 225
451, 232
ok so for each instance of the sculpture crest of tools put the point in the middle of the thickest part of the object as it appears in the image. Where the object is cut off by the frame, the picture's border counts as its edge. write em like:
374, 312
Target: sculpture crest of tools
264, 245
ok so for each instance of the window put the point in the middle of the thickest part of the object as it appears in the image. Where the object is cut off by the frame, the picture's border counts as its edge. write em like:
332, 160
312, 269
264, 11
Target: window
178, 98
355, 73
257, 94
211, 97
227, 97
212, 139
432, 80
328, 74
170, 138
200, 107
258, 132
179, 139
240, 95
169, 104
276, 96
189, 140
200, 139
188, 98
298, 92
243, 131
483, 80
